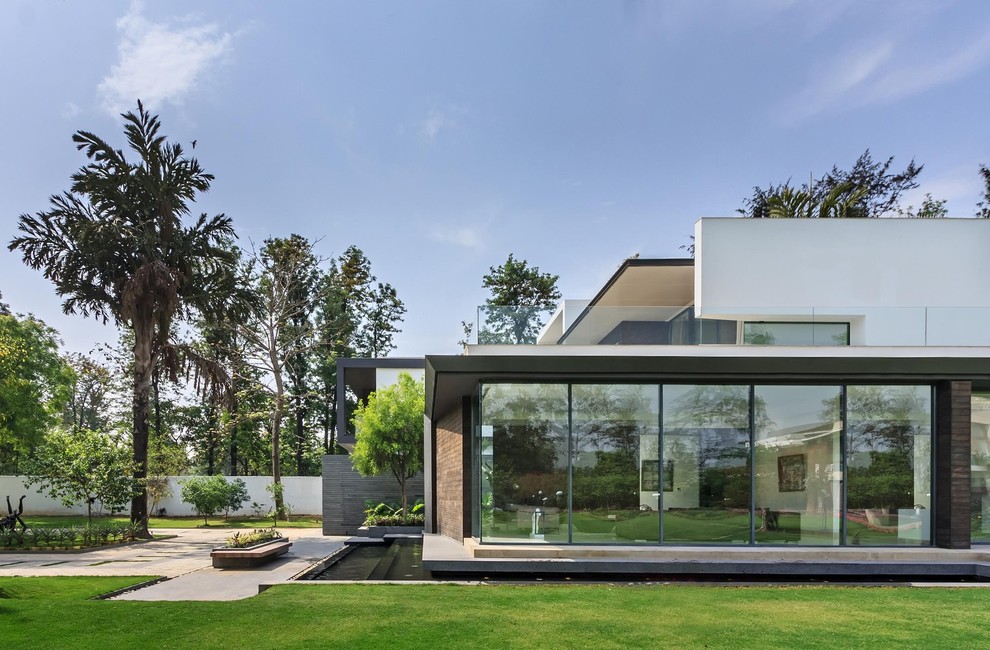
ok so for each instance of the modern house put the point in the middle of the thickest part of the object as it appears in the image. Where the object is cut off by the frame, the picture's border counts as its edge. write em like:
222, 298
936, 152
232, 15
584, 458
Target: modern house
817, 388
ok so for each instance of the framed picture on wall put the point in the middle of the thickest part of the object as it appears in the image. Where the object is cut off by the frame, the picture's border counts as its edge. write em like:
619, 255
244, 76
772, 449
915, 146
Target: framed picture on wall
650, 476
791, 473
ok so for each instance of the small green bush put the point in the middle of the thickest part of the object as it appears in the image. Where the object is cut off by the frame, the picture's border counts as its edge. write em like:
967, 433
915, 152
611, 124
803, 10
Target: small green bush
257, 536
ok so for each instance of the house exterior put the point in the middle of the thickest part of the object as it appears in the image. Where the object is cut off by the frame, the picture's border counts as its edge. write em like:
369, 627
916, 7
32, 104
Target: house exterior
800, 383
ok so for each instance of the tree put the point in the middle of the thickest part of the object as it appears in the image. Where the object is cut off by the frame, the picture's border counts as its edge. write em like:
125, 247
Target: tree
389, 433
274, 334
983, 207
88, 405
879, 191
520, 298
931, 208
35, 383
382, 312
116, 248
83, 466
355, 318
209, 495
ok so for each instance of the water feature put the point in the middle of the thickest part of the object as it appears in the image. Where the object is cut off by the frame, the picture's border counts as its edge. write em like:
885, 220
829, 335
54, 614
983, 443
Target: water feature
392, 558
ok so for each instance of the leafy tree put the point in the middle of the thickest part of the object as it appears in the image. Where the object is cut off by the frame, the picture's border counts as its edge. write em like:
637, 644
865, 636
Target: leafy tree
116, 248
83, 466
389, 433
4, 307
355, 318
274, 334
520, 298
877, 187
931, 208
983, 207
383, 311
35, 383
88, 405
209, 495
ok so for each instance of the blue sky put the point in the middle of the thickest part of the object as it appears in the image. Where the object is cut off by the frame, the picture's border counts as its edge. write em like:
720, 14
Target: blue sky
441, 136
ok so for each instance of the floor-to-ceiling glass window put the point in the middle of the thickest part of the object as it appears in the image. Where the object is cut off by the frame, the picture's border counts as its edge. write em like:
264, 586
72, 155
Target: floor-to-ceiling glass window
615, 463
797, 464
980, 469
888, 465
705, 465
641, 463
523, 459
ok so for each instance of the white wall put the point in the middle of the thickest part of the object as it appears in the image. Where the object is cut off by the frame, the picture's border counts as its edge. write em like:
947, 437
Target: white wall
899, 281
388, 376
303, 493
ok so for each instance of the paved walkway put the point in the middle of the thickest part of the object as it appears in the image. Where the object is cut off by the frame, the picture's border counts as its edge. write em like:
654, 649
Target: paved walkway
185, 559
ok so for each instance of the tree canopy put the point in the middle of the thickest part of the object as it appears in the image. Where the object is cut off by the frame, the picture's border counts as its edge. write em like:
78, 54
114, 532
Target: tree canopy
35, 383
868, 189
83, 466
116, 248
389, 433
521, 296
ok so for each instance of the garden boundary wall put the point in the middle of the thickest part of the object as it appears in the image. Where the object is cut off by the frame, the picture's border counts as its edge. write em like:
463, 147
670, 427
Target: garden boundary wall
302, 493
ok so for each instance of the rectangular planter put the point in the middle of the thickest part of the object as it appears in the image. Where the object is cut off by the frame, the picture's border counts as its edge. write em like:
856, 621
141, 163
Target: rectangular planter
252, 556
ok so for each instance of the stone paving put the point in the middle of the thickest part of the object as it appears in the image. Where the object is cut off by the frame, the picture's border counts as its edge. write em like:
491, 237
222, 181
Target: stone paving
184, 559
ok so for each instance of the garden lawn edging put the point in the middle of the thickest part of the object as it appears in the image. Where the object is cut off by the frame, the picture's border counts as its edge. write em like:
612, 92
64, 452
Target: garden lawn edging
251, 556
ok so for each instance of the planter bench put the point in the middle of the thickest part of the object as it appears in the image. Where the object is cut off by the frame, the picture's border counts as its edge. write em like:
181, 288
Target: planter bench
252, 556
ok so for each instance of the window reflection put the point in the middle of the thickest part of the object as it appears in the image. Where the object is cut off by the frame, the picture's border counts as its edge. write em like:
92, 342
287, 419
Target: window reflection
615, 474
888, 460
797, 465
706, 448
524, 461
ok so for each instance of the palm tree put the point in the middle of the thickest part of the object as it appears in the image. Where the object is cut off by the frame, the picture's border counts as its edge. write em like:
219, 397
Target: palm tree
842, 201
116, 248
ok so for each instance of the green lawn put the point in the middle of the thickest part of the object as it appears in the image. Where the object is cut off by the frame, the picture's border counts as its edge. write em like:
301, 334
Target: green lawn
52, 613
183, 522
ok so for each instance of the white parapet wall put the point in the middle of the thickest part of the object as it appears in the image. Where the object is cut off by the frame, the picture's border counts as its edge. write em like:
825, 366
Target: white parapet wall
898, 282
303, 493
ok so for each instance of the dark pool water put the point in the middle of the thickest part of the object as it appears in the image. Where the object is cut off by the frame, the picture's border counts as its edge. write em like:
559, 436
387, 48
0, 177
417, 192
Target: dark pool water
393, 559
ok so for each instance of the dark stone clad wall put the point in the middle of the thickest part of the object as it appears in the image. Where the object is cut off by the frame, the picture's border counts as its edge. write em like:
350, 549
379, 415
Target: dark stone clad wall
450, 453
345, 491
952, 464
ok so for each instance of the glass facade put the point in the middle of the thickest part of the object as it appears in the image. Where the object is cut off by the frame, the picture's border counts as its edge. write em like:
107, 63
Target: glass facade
980, 469
704, 464
819, 334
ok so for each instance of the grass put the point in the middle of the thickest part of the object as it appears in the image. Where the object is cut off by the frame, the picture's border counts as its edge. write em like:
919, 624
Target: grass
299, 521
53, 612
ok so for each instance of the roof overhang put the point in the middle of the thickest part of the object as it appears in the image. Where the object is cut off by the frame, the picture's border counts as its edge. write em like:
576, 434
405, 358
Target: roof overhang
450, 378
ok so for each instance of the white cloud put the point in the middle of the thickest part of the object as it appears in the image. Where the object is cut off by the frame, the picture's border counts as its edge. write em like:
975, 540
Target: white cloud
70, 110
435, 122
883, 71
463, 236
159, 63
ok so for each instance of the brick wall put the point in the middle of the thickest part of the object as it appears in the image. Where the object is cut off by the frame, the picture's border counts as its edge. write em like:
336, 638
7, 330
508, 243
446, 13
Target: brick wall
450, 475
345, 491
952, 464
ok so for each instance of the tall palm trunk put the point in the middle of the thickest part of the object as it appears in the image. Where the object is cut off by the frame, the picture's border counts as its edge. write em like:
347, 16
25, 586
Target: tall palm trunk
143, 367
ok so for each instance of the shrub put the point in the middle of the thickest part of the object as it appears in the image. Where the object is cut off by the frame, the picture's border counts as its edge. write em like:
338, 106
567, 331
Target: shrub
209, 495
257, 536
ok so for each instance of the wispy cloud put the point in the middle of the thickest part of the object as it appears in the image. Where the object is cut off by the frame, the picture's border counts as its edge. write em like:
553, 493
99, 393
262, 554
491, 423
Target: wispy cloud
160, 63
883, 71
463, 236
435, 122
70, 110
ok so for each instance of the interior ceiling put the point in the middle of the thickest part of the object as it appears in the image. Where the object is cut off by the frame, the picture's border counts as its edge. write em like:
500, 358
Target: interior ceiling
651, 285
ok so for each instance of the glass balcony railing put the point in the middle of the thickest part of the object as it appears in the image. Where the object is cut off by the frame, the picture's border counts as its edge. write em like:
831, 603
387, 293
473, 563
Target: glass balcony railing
680, 325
